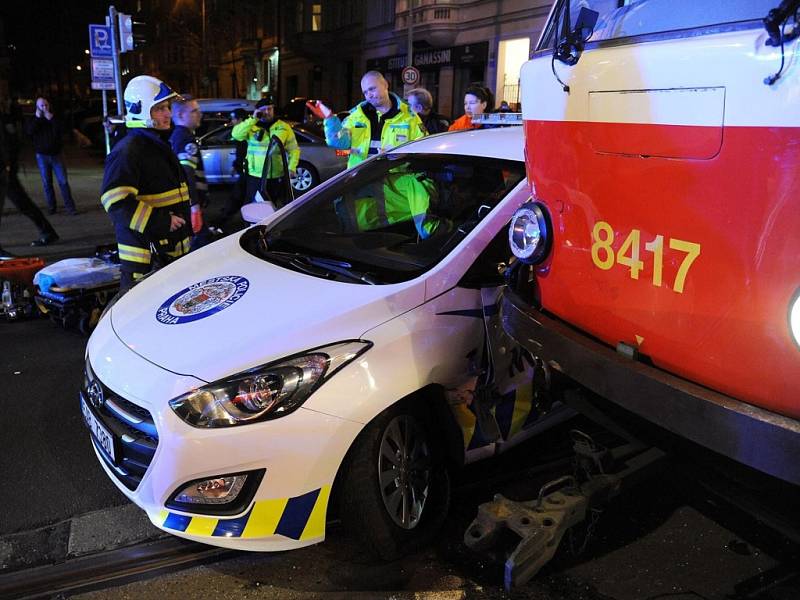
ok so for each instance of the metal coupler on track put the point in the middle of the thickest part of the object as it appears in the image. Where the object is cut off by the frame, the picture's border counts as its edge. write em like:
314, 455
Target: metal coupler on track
561, 504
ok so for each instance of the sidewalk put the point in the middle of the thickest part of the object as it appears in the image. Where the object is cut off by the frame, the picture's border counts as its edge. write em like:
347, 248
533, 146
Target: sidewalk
79, 234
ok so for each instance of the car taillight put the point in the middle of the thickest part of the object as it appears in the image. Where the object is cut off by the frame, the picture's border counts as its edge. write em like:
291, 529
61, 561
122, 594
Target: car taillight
343, 153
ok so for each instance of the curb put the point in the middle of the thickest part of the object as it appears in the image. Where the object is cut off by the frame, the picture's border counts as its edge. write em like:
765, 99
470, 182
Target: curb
91, 533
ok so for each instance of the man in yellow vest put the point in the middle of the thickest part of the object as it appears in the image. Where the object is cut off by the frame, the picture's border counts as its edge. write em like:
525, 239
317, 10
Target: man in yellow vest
380, 123
258, 130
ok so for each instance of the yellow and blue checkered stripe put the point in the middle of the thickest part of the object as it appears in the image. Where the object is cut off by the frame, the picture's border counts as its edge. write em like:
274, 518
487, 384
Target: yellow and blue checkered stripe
299, 518
513, 412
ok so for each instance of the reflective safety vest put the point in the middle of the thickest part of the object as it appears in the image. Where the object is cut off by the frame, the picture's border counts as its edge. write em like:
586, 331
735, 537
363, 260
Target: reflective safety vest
258, 139
143, 186
399, 197
355, 133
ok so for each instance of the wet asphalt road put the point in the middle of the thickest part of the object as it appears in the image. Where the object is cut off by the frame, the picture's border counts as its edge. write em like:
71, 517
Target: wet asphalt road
47, 462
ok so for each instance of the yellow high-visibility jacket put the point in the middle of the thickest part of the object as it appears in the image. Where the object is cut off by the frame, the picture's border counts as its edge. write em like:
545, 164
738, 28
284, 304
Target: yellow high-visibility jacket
257, 148
355, 134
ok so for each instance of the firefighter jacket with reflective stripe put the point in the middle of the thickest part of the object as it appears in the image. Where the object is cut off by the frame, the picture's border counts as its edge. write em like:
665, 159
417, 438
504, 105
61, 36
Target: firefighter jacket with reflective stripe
355, 134
143, 186
187, 148
398, 197
258, 135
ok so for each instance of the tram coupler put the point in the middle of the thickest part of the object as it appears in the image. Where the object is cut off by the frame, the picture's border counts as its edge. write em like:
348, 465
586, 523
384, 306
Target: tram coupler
561, 504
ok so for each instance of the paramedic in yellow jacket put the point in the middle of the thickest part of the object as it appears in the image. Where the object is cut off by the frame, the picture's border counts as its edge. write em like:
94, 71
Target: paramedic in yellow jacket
380, 123
258, 130
400, 197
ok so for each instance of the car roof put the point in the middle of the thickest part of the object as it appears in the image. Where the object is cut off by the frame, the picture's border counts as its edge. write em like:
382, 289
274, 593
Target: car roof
224, 104
502, 142
296, 126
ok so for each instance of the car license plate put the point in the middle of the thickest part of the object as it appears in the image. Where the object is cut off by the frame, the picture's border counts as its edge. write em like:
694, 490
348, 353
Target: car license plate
99, 432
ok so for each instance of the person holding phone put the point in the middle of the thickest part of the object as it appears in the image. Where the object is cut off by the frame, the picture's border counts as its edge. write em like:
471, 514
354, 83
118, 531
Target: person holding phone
45, 132
258, 130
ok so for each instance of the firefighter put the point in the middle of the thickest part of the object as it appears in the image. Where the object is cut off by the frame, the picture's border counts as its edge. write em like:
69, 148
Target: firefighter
380, 123
144, 187
258, 130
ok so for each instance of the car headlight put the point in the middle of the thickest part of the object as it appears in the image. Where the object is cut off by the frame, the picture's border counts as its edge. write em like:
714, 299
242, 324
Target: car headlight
529, 233
794, 317
266, 392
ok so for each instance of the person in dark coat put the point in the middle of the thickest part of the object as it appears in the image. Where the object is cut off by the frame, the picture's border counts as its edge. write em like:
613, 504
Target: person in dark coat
45, 131
421, 102
186, 117
11, 186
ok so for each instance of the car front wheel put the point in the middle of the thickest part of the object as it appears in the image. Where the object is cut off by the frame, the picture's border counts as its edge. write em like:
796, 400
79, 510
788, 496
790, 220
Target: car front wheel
395, 485
306, 179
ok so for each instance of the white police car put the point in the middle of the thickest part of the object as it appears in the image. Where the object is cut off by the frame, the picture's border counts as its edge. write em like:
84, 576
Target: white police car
345, 344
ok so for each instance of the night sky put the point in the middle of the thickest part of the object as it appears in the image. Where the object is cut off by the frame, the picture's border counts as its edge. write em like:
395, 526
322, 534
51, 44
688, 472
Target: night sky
45, 41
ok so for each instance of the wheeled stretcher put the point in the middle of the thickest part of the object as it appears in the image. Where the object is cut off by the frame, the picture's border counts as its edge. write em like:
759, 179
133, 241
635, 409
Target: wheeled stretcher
76, 307
74, 292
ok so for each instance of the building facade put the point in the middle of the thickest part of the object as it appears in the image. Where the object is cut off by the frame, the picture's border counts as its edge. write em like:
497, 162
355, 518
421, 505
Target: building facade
320, 48
455, 43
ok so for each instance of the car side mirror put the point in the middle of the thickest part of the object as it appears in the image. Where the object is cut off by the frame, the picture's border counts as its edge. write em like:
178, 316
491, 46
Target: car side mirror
256, 212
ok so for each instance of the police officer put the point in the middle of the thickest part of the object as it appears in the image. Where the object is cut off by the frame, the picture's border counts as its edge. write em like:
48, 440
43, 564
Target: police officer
378, 124
258, 130
144, 187
186, 116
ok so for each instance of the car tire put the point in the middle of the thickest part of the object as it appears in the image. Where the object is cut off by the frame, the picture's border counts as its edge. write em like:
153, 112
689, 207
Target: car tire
395, 453
307, 178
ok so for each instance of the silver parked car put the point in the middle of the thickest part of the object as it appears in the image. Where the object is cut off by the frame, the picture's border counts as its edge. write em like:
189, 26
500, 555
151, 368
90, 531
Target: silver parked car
318, 162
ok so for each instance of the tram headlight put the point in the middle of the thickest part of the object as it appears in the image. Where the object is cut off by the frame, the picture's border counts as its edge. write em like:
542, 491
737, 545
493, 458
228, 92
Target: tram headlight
529, 233
794, 317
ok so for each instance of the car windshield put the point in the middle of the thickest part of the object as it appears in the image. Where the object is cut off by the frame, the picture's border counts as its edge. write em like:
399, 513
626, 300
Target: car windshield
388, 220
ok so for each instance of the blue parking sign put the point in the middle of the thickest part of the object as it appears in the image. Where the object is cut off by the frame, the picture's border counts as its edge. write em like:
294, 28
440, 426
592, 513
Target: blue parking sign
99, 40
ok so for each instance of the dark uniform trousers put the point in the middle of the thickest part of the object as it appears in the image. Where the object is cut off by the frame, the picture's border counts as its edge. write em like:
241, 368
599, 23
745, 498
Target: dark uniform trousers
143, 186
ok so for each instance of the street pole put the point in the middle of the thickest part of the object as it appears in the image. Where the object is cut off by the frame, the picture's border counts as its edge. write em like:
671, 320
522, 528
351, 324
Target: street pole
410, 60
204, 78
113, 25
105, 120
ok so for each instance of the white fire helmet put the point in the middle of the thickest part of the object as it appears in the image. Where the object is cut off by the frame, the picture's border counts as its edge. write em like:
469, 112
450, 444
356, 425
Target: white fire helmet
141, 94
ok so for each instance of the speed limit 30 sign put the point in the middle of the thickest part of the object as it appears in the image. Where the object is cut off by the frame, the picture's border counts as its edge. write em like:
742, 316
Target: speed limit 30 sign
410, 75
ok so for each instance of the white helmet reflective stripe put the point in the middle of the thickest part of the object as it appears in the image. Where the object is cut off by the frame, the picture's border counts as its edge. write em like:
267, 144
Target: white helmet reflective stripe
141, 94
